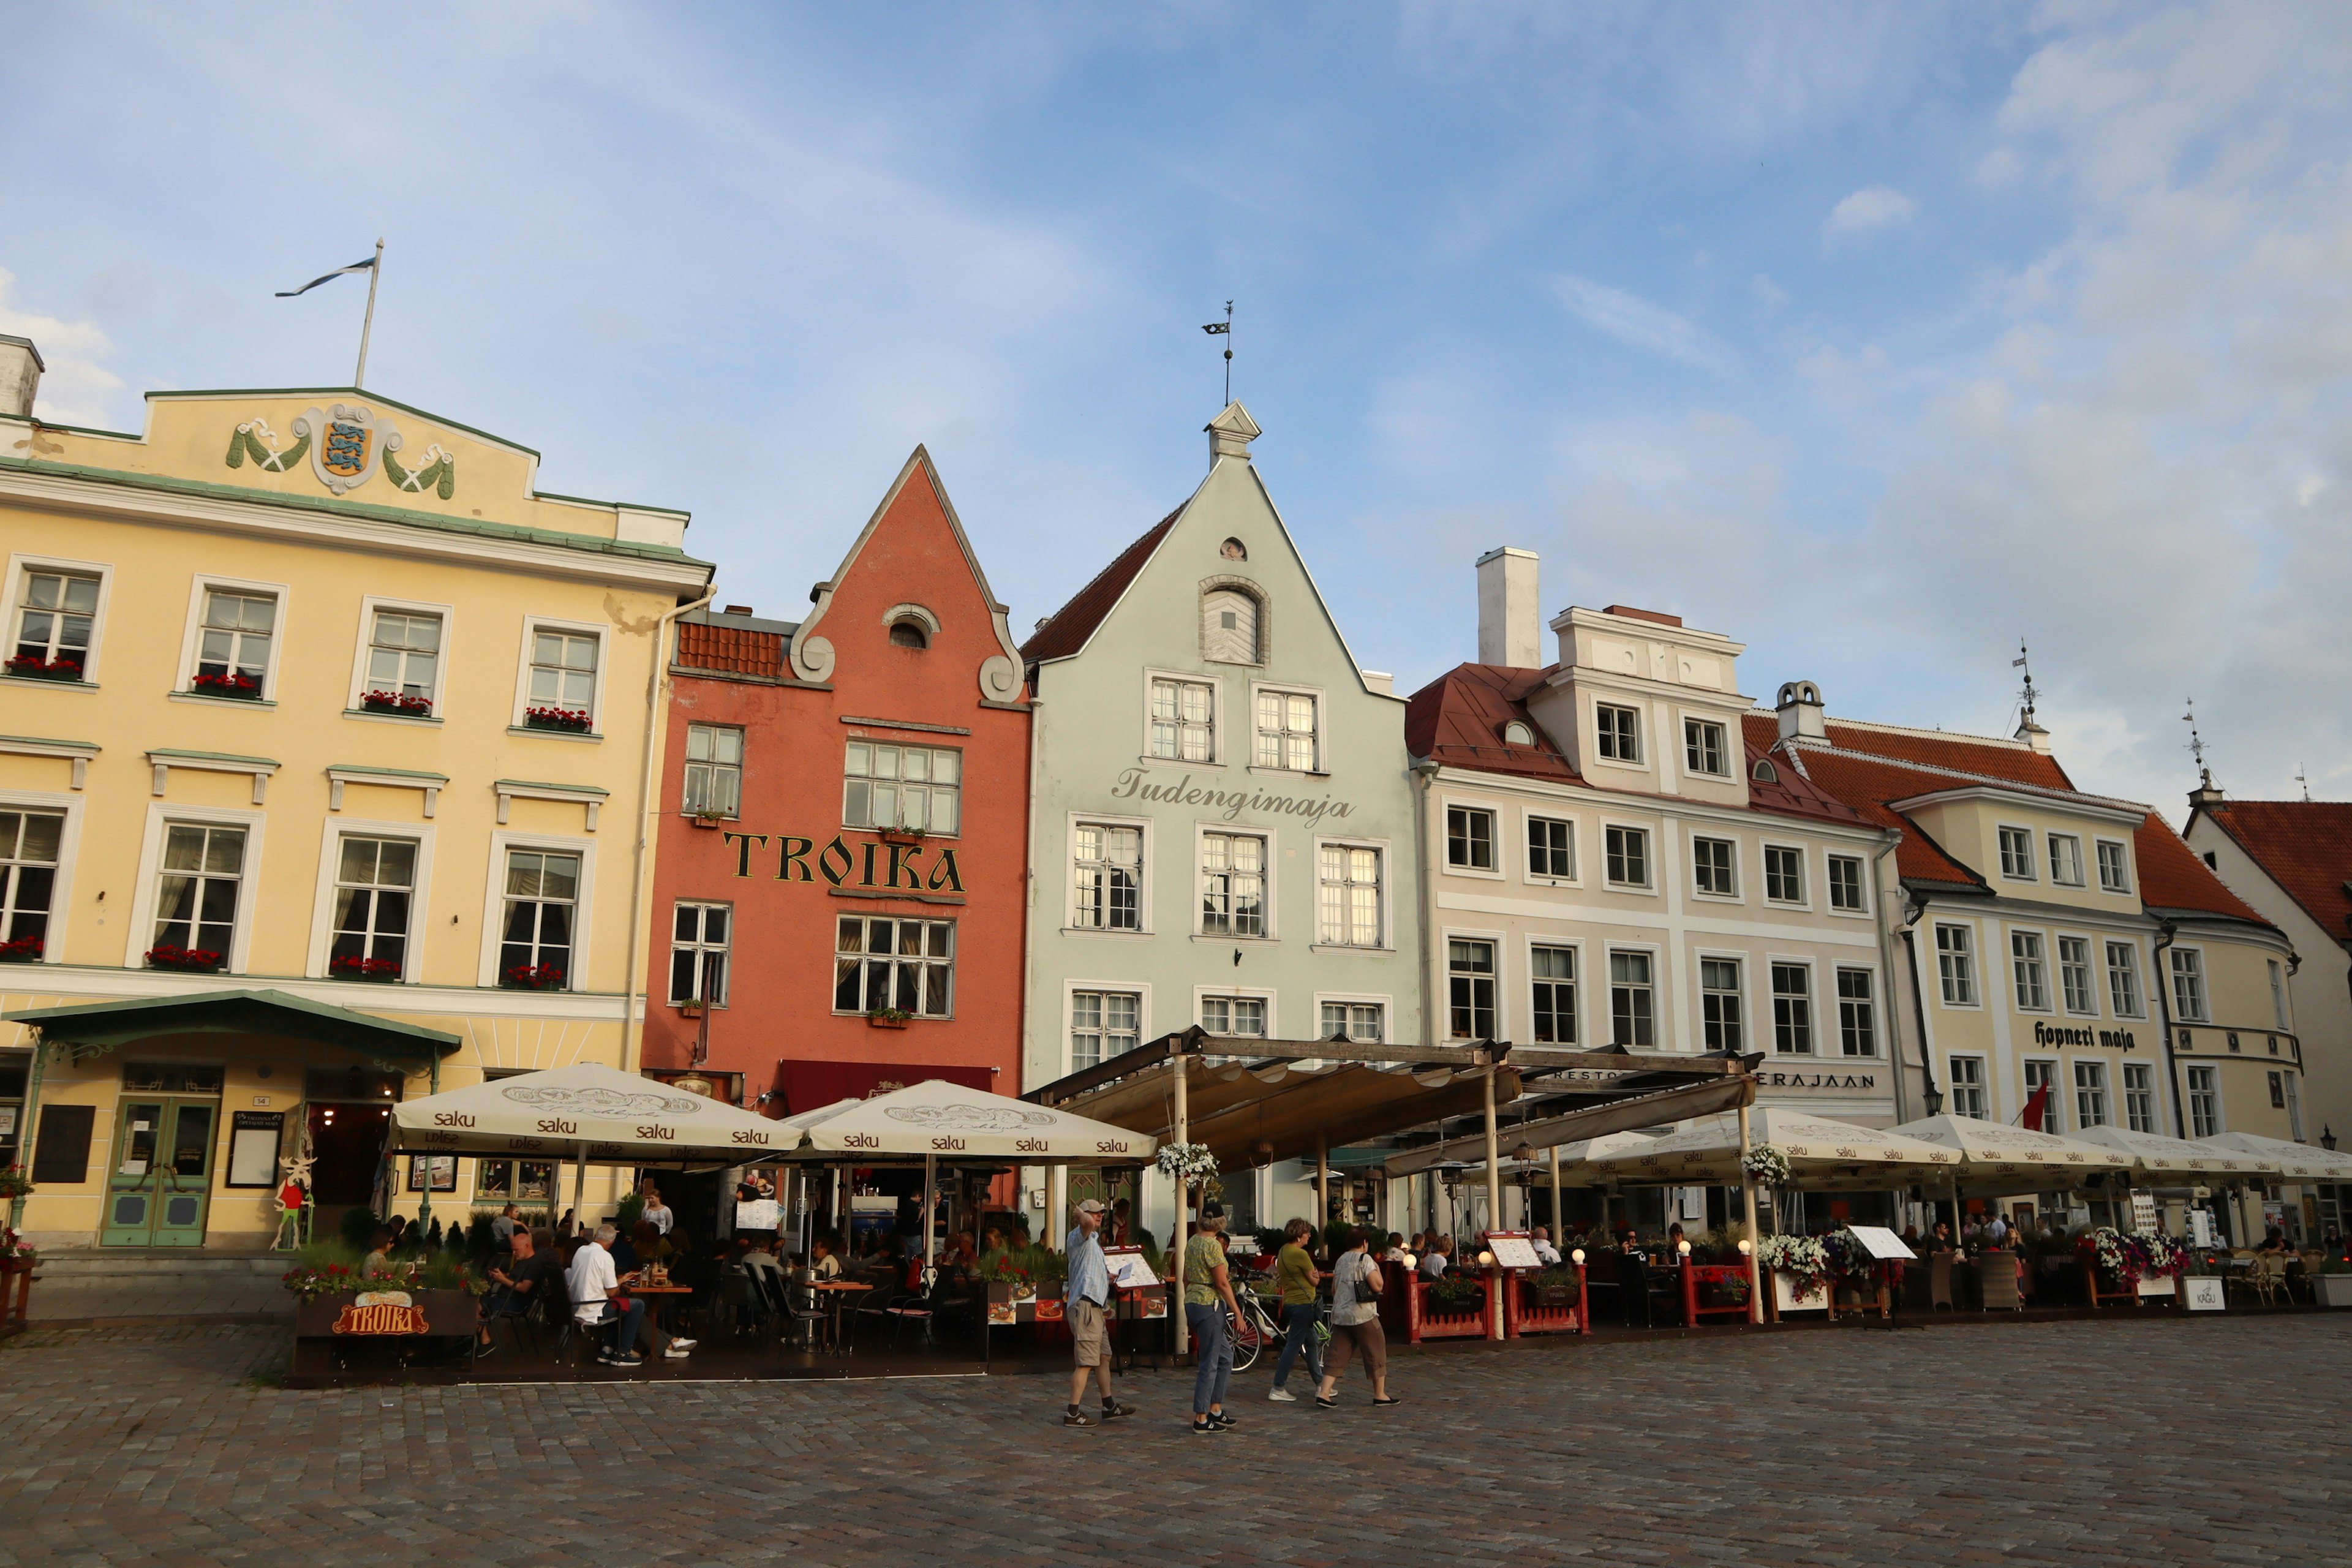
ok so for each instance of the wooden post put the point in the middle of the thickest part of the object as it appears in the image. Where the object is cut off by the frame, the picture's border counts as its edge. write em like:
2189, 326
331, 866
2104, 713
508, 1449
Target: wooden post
1181, 1329
1755, 1237
1322, 1187
1559, 1225
1493, 1210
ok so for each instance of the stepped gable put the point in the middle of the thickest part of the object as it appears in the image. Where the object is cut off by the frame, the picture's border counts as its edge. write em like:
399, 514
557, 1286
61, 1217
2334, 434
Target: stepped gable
2171, 877
1458, 720
2304, 845
1067, 631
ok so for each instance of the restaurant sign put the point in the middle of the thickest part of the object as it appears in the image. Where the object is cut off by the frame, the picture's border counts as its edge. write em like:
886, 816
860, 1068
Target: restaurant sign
2113, 1039
1818, 1082
865, 864
381, 1313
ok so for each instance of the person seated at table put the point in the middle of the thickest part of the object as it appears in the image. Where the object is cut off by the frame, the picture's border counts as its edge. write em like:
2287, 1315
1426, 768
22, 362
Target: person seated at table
958, 1252
377, 1264
514, 1284
1394, 1252
1120, 1230
1440, 1255
1673, 1241
2273, 1240
1545, 1253
398, 1226
823, 1262
598, 1300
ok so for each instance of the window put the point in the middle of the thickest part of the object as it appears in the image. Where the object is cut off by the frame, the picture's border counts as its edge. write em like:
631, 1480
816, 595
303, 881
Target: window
1956, 966
2294, 1107
28, 877
1720, 1014
2139, 1097
543, 891
1107, 868
1184, 721
1784, 875
196, 897
1233, 1016
2090, 1094
375, 881
714, 770
1103, 1024
2278, 1091
1363, 1022
234, 639
1470, 989
2278, 994
2041, 1076
1629, 857
1551, 848
1703, 748
2065, 860
901, 786
2204, 1102
1793, 1009
1350, 896
2115, 874
1555, 994
1469, 838
1845, 884
2033, 974
1232, 884
1285, 731
1620, 733
909, 632
55, 613
1711, 867
2122, 978
2074, 975
2189, 985
405, 654
1229, 626
1857, 1013
513, 1181
2017, 854
698, 954
562, 670
1631, 1017
906, 964
1967, 1079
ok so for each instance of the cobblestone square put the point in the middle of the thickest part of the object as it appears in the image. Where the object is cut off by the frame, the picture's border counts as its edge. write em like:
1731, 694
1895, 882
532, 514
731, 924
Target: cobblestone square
2083, 1443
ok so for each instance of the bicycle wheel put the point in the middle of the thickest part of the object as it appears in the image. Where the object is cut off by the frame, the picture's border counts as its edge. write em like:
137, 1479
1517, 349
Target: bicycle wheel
1249, 1338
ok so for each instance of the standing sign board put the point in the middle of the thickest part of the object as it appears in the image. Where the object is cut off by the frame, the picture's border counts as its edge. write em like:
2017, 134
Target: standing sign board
1881, 1242
1512, 1249
2143, 1214
2204, 1293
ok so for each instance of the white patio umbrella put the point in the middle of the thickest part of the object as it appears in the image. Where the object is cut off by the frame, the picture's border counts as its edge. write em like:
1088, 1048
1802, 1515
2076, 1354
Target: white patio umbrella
1824, 1155
2296, 1161
2159, 1161
1997, 1159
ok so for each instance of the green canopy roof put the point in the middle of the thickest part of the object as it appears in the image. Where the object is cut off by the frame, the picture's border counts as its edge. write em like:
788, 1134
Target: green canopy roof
110, 1024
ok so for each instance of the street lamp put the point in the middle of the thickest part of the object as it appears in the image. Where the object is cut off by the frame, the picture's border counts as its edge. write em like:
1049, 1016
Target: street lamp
2328, 1139
1933, 1101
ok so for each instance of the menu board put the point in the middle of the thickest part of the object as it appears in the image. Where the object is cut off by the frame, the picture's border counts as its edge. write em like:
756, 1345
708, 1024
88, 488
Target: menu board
1880, 1242
1128, 1272
1512, 1249
2143, 1205
760, 1214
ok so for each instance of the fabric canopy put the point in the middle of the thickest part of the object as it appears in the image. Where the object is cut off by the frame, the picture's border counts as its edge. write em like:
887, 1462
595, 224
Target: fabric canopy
809, 1086
2157, 1159
2296, 1161
1824, 1155
587, 1112
949, 1120
1997, 1159
1586, 1125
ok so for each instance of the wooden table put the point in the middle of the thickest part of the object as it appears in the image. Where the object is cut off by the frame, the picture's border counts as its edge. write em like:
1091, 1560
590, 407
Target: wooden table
840, 1290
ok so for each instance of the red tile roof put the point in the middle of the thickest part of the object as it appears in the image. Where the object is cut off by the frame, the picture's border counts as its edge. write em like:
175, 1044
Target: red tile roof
1067, 631
738, 650
2171, 877
1868, 784
2304, 845
1458, 720
1962, 753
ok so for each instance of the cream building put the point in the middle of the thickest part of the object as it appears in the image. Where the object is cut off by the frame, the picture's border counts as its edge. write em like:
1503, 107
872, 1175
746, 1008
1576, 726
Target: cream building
327, 738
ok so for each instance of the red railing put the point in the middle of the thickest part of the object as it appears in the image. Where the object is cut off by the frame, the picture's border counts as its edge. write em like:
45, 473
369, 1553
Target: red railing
1523, 1314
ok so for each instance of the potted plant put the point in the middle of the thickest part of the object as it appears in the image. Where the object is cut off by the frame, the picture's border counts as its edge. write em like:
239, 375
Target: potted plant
707, 816
570, 721
2331, 1283
244, 688
381, 971
691, 1007
889, 1019
32, 667
1456, 1295
186, 959
396, 702
1554, 1287
14, 1182
910, 837
534, 977
24, 949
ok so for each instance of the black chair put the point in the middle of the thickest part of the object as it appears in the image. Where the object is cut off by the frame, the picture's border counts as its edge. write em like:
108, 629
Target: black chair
1633, 1285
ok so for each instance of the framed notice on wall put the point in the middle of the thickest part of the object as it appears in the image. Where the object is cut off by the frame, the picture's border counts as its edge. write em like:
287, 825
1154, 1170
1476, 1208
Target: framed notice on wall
253, 1148
441, 1169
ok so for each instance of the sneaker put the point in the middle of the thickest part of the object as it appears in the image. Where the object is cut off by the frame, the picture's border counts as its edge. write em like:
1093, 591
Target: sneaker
678, 1350
622, 1358
1204, 1426
1078, 1418
676, 1343
1223, 1419
1281, 1396
1112, 1410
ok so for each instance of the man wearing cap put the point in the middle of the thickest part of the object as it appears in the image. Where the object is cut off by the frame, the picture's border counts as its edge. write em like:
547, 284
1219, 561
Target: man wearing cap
1086, 1307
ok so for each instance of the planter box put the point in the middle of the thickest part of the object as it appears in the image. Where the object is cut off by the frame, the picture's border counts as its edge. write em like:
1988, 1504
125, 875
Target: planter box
70, 672
874, 1022
708, 824
437, 1314
563, 726
1529, 1308
2332, 1289
1787, 1298
232, 693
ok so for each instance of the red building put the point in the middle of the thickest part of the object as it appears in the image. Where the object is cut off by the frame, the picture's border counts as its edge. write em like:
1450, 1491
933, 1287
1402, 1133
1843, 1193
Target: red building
844, 829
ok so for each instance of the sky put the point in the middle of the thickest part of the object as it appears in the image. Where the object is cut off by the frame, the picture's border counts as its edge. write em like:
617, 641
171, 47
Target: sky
1875, 337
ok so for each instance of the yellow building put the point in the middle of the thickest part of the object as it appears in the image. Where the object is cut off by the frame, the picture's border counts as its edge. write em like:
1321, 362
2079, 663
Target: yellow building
324, 744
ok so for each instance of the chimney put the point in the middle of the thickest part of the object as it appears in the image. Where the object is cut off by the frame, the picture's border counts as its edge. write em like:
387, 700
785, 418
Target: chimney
1799, 708
2032, 734
20, 376
2206, 796
1509, 628
1231, 433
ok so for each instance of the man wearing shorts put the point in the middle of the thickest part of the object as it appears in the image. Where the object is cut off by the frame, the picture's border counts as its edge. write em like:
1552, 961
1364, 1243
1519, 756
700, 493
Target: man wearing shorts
1087, 1309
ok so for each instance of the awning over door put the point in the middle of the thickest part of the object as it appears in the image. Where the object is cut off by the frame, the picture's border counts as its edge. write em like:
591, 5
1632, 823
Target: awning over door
103, 1025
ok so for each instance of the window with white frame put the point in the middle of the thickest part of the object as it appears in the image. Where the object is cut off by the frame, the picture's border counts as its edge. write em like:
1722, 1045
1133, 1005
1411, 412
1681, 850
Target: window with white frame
2122, 978
1703, 751
375, 885
880, 964
2041, 1076
1183, 720
1784, 874
2065, 860
1234, 1016
29, 845
562, 671
1229, 626
2204, 1102
1712, 862
541, 911
2278, 992
714, 770
1469, 838
1551, 848
1793, 1009
1106, 870
2017, 854
2074, 975
902, 786
1632, 1011
1620, 731
2115, 867
1103, 1024
1857, 1013
1846, 885
2278, 1090
1554, 983
403, 657
55, 612
199, 888
699, 941
2032, 971
1967, 1077
1722, 1018
1285, 731
1470, 989
1629, 857
1365, 1023
1956, 966
2189, 985
233, 644
2139, 1097
1232, 884
1349, 896
2090, 1094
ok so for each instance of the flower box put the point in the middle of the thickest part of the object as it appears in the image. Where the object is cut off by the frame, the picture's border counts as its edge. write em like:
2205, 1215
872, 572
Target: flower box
889, 1018
1417, 1317
434, 1313
532, 977
1790, 1296
243, 687
570, 721
397, 703
185, 960
707, 821
2332, 1289
374, 970
690, 1009
1533, 1306
909, 837
26, 668
24, 949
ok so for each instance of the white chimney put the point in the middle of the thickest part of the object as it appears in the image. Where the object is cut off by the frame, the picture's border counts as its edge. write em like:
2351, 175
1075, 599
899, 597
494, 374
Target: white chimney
1509, 628
20, 376
1800, 711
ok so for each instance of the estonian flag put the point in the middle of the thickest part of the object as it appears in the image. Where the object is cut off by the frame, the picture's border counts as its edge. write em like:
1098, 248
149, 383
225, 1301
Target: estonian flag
367, 266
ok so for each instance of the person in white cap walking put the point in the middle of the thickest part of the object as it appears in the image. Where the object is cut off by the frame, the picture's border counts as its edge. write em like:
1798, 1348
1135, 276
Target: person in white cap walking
1087, 1309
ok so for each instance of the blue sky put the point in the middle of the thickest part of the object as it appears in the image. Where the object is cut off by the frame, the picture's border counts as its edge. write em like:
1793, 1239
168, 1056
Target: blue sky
1875, 336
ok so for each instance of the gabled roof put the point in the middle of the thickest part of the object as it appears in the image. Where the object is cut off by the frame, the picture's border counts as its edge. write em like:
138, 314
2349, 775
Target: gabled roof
1067, 631
2305, 846
1458, 720
1868, 784
2172, 879
1962, 753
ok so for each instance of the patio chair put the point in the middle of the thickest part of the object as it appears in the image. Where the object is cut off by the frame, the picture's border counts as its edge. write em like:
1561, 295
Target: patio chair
1634, 1283
1939, 1281
1997, 1279
2265, 1278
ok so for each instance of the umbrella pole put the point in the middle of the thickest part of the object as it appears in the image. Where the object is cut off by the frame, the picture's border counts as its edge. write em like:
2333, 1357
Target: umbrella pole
1494, 1211
1747, 1204
1178, 1327
1559, 1225
580, 1188
930, 1185
1322, 1187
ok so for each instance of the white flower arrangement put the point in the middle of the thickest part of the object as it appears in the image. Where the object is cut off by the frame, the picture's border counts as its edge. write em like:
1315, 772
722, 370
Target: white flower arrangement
1766, 1165
1802, 1258
1190, 1163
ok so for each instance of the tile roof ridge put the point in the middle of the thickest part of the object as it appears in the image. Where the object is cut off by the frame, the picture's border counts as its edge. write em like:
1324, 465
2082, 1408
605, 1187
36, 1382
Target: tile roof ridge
1993, 780
1130, 558
2008, 742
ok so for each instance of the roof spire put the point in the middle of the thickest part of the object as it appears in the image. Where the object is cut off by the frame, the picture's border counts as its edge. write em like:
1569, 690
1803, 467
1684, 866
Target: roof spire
2032, 733
2305, 783
2204, 794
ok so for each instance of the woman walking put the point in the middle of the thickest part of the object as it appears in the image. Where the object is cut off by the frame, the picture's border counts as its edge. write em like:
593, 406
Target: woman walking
1208, 1295
1356, 1324
1296, 1274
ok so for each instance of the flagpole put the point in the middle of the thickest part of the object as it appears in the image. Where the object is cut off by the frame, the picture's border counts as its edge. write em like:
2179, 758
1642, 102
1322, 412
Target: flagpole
359, 376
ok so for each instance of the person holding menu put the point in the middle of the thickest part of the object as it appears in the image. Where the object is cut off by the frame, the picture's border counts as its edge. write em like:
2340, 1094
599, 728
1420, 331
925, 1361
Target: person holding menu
1085, 1308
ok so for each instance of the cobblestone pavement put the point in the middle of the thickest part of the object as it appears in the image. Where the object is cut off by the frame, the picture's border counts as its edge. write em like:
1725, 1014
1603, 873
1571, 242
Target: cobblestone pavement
2086, 1443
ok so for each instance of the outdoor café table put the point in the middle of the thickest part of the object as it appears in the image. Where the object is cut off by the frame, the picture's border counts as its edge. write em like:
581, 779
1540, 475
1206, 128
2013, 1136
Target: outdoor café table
839, 1291
663, 1291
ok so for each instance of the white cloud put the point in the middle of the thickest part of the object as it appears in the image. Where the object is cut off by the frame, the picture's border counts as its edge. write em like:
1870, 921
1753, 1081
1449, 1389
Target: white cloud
1868, 209
1638, 323
74, 386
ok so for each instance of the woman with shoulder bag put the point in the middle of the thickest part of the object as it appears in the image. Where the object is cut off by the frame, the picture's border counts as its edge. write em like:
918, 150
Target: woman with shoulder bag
1355, 1323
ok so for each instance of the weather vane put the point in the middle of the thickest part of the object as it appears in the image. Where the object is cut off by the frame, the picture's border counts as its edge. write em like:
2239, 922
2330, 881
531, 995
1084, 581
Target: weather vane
2305, 781
1224, 330
2028, 696
2196, 740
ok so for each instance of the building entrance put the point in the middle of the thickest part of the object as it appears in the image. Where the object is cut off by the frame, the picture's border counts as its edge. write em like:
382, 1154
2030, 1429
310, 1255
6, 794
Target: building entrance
159, 1184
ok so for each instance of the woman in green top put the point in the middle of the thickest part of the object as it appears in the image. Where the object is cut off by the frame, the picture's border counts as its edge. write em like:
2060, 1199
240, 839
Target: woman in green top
1295, 1275
1208, 1295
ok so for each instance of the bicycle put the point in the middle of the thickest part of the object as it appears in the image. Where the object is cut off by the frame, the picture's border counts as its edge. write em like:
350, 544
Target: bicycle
1257, 1330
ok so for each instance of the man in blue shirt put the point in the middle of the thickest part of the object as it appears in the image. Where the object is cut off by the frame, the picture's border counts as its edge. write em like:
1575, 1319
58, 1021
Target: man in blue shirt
1086, 1307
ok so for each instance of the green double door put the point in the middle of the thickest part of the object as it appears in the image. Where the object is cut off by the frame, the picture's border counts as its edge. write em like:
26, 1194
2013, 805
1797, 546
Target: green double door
161, 1181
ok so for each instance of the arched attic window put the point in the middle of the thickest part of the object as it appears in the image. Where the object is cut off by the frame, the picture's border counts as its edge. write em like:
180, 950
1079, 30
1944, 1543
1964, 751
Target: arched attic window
1229, 626
909, 632
1764, 771
1517, 732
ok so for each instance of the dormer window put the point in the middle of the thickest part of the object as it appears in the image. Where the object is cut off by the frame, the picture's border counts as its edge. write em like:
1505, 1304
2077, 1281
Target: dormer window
1620, 731
1229, 626
1518, 733
1764, 771
1703, 747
